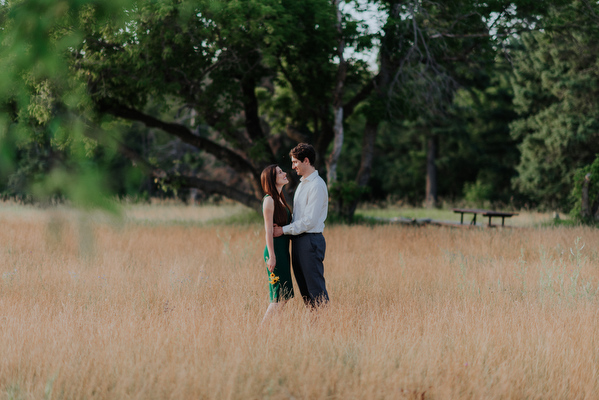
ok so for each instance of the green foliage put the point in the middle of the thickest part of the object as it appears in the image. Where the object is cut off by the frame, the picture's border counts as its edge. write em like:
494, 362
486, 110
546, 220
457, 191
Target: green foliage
480, 155
450, 87
576, 194
347, 192
556, 88
474, 146
399, 168
478, 193
249, 78
86, 189
44, 109
343, 195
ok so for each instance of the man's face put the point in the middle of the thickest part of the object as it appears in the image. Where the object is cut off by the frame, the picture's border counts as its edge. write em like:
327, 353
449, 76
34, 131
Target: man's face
298, 166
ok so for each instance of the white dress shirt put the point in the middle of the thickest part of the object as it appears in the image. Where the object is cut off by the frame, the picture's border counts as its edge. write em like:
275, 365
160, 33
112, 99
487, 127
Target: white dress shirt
310, 205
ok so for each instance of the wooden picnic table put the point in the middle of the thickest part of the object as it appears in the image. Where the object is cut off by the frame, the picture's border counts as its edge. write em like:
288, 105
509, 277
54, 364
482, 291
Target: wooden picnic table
484, 213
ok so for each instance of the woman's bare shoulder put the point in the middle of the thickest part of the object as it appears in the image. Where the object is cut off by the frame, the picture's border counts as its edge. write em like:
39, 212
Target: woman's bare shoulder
268, 201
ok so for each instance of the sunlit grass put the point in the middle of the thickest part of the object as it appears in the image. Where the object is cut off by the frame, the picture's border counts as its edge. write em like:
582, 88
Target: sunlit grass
95, 309
155, 214
177, 214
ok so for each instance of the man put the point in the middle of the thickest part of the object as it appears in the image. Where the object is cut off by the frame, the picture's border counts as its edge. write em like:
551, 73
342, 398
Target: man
310, 205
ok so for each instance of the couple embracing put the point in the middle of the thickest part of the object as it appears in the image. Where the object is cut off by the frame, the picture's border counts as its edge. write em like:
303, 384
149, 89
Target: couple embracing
310, 204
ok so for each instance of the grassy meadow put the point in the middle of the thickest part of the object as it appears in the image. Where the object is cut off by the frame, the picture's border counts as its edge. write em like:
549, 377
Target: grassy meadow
166, 303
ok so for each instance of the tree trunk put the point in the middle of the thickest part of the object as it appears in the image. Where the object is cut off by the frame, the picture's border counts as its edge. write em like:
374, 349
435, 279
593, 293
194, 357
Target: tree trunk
337, 145
370, 131
431, 172
337, 102
584, 209
376, 114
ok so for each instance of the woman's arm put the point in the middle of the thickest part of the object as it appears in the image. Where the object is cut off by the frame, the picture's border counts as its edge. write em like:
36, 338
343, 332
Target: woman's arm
268, 210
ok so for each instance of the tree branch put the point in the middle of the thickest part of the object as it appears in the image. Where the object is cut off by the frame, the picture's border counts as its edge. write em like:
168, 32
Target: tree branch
233, 159
296, 134
207, 186
250, 106
217, 187
349, 107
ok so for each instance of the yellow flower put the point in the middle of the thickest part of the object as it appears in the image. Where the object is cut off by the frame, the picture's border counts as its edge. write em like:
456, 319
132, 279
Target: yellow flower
273, 279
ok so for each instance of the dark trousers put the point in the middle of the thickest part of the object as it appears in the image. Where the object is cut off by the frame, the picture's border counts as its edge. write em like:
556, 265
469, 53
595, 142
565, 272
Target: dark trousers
307, 254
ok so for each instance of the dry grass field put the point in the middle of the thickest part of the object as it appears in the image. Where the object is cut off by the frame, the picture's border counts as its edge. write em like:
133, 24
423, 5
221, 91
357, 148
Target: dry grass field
144, 308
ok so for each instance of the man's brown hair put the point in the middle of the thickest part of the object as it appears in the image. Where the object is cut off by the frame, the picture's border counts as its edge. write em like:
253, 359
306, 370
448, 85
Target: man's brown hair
303, 151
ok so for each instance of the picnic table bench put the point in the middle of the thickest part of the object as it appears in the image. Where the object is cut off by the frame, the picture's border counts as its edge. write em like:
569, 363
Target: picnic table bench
484, 213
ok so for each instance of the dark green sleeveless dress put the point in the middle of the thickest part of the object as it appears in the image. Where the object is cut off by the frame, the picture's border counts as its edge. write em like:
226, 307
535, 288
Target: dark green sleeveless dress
282, 289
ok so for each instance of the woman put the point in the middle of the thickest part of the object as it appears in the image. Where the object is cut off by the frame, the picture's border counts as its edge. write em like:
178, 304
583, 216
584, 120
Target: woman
276, 254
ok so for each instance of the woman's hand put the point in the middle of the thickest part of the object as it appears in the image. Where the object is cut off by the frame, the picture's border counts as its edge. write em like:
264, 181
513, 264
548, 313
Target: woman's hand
271, 263
277, 230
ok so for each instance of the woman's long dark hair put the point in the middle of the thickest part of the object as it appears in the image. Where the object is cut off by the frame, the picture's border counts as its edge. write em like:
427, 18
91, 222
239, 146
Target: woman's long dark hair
269, 185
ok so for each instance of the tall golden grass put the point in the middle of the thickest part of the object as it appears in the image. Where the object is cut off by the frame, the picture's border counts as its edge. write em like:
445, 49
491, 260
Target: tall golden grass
98, 310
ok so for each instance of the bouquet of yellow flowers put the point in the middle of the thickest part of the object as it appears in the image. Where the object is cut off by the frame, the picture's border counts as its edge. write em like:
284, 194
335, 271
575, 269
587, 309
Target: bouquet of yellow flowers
273, 279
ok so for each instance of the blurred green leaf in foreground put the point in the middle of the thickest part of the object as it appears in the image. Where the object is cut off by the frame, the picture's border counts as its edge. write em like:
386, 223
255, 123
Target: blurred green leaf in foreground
47, 150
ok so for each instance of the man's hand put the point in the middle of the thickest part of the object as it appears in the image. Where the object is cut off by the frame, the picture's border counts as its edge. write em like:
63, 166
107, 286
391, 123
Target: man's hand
277, 231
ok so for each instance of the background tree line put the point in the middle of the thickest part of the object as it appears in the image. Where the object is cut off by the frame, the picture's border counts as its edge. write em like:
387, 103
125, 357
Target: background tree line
490, 101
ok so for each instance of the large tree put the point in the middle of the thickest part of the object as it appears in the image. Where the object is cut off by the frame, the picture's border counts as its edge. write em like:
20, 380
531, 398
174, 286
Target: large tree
234, 84
44, 116
225, 79
556, 85
429, 50
223, 62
